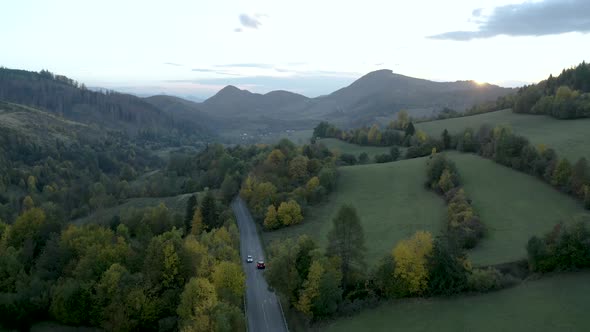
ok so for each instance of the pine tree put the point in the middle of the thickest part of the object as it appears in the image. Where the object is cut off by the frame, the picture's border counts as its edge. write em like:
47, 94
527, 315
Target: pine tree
346, 240
410, 130
209, 211
191, 204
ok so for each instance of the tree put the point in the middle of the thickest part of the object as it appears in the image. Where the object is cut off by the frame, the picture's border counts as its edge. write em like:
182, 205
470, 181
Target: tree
363, 158
446, 139
447, 273
411, 259
229, 281
394, 152
289, 213
346, 240
298, 168
229, 187
27, 227
580, 177
403, 119
28, 203
446, 181
197, 225
71, 302
271, 220
209, 211
562, 174
311, 288
410, 130
189, 214
374, 135
587, 196
197, 302
275, 159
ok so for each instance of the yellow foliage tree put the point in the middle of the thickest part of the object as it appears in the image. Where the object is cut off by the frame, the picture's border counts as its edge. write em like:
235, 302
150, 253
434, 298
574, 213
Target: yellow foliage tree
403, 119
312, 184
199, 258
311, 288
411, 257
298, 168
422, 137
197, 302
275, 158
289, 213
229, 281
271, 220
374, 136
197, 223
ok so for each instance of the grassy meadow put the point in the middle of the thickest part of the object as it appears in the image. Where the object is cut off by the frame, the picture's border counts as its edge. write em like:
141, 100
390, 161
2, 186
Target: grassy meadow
390, 198
553, 303
176, 204
513, 206
570, 138
342, 147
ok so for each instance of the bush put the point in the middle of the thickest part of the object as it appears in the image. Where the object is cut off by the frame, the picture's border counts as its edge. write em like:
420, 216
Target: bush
484, 280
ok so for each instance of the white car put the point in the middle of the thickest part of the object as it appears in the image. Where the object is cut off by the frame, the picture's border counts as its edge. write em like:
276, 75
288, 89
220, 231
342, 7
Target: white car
249, 259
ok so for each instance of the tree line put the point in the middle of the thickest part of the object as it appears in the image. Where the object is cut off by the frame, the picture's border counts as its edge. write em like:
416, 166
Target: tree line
464, 226
501, 145
564, 97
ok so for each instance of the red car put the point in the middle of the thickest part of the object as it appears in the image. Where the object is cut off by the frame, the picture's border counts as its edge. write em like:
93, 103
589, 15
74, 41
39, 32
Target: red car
260, 265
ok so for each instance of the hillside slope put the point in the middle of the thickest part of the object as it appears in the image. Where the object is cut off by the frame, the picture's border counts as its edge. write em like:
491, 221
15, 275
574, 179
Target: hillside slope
67, 98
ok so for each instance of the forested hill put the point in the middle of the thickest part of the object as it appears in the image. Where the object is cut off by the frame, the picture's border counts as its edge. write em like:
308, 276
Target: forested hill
566, 96
67, 98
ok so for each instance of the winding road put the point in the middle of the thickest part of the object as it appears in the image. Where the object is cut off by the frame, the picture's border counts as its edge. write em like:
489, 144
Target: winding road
263, 309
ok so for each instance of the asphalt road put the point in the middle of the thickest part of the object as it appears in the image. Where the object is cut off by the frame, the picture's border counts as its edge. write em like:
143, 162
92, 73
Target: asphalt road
262, 306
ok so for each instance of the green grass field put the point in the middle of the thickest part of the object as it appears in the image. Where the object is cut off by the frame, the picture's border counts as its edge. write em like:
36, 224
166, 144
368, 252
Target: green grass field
514, 206
337, 145
569, 138
553, 303
390, 198
175, 204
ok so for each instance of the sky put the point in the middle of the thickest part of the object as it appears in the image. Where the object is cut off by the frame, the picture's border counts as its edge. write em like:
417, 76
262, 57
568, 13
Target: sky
196, 47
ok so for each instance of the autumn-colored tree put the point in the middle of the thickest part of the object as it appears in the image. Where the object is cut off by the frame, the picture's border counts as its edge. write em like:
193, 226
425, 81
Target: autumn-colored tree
298, 168
26, 228
198, 257
310, 289
374, 136
289, 213
197, 302
271, 220
197, 225
229, 281
421, 136
275, 159
312, 184
446, 181
411, 258
346, 240
403, 119
28, 203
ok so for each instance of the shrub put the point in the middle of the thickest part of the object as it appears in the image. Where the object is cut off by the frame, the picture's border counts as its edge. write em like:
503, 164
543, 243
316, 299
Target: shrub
484, 280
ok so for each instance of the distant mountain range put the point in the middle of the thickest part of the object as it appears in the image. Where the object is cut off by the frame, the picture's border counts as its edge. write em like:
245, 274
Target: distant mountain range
372, 98
378, 94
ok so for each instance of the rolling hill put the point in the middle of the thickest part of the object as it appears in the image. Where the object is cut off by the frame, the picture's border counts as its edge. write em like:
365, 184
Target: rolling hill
377, 94
110, 110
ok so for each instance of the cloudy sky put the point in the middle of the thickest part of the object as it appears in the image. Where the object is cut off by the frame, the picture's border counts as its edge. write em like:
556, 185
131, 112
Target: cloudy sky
196, 47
